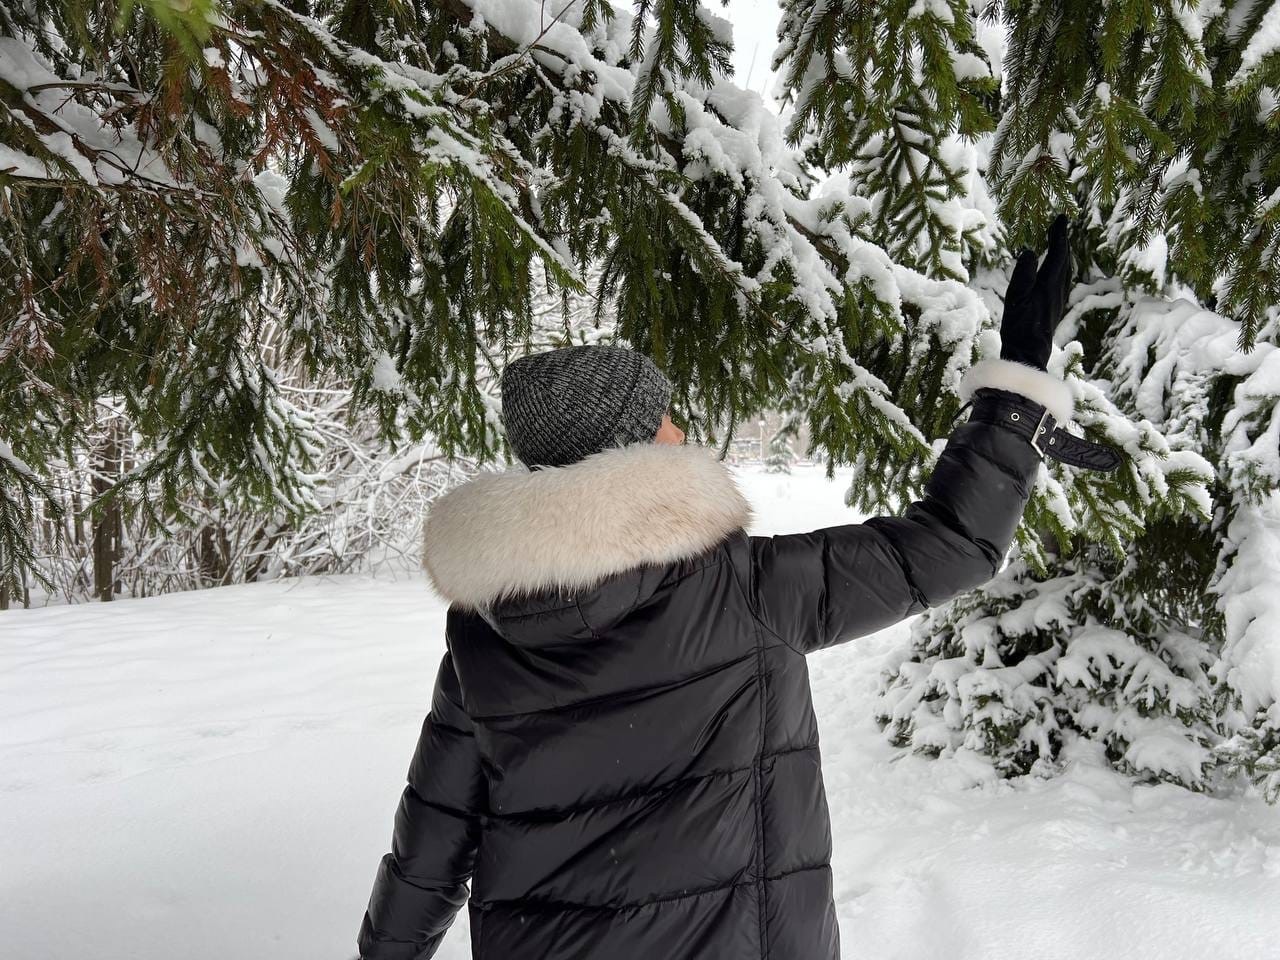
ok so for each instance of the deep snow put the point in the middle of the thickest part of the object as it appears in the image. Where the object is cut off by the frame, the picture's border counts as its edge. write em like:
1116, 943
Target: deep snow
212, 776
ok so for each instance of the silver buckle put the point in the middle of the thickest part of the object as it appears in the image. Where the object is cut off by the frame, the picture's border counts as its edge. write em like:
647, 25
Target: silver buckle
1039, 430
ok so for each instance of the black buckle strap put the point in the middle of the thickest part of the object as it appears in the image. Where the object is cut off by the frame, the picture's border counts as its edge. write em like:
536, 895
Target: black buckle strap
1034, 422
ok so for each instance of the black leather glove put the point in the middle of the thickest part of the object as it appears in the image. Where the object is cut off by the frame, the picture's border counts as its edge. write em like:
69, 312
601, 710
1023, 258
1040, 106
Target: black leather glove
1035, 301
1016, 390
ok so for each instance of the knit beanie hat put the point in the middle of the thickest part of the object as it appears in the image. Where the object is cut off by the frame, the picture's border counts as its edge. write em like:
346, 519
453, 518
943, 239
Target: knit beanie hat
562, 405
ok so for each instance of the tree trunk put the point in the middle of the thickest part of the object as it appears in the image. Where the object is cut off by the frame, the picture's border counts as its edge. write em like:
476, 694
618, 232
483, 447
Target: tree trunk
213, 554
107, 528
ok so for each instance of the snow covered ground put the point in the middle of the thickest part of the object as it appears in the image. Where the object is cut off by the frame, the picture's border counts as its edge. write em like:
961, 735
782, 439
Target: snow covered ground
212, 776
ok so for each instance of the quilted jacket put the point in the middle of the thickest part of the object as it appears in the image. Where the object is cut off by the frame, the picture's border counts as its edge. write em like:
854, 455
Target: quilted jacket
621, 758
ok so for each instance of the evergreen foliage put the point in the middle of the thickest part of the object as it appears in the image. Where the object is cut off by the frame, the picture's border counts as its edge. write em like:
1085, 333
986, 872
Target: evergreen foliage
382, 179
1019, 667
1159, 122
1157, 115
1168, 656
370, 493
394, 191
879, 88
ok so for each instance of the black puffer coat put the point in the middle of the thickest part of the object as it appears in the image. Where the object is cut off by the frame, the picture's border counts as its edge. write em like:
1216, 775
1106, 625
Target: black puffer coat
624, 759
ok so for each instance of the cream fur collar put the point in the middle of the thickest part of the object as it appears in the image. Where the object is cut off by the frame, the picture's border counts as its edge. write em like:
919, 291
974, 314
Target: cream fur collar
504, 534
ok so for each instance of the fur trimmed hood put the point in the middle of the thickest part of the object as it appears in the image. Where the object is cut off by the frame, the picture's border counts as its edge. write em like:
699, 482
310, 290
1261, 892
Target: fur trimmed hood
502, 535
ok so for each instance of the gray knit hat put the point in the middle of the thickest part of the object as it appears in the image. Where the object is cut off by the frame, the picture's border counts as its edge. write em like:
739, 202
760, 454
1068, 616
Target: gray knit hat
562, 405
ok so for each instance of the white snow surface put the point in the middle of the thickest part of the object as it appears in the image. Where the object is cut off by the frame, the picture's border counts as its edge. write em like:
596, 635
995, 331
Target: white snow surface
213, 776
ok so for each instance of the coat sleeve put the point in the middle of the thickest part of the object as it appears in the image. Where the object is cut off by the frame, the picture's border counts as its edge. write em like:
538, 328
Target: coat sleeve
422, 883
822, 588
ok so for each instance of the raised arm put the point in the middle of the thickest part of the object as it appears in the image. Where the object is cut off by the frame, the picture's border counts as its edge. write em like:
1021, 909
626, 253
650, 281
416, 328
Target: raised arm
825, 587
422, 883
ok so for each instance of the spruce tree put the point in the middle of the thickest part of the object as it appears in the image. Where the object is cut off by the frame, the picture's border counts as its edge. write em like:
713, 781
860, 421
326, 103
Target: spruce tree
780, 455
1152, 641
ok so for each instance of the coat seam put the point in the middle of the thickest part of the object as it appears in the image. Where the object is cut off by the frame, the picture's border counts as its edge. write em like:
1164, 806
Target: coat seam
451, 811
751, 606
445, 727
543, 904
606, 697
590, 629
761, 895
913, 589
711, 551
760, 627
824, 599
543, 815
810, 868
477, 919
1019, 481
713, 558
532, 614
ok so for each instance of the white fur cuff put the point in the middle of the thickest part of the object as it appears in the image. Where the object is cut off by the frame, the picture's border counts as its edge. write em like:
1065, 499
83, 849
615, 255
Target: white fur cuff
1031, 382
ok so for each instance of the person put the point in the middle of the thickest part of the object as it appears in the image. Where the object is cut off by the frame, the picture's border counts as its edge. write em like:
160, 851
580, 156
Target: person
621, 754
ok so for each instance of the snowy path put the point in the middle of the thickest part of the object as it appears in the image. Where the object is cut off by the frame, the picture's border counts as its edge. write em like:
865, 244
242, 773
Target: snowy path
212, 776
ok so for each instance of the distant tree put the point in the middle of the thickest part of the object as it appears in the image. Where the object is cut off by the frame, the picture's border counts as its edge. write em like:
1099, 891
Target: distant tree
780, 455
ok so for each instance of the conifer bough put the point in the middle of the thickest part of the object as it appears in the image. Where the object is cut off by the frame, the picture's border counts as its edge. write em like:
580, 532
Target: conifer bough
391, 183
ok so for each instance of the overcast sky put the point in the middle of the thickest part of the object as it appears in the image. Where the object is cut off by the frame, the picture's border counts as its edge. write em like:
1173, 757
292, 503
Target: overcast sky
755, 23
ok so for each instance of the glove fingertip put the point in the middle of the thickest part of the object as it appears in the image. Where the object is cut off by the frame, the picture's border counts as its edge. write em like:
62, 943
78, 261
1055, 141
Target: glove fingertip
1059, 238
1023, 277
